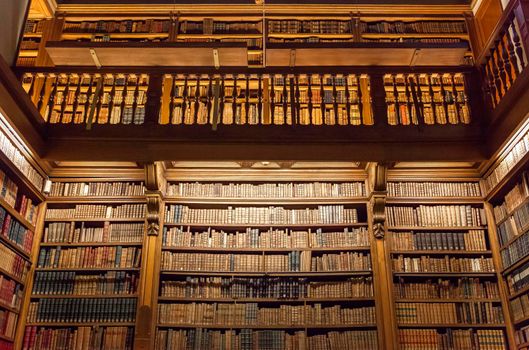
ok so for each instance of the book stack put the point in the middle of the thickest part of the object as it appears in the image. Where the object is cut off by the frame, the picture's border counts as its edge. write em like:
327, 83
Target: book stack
447, 264
436, 216
126, 26
462, 288
72, 232
89, 257
473, 240
67, 189
448, 313
91, 211
434, 189
422, 27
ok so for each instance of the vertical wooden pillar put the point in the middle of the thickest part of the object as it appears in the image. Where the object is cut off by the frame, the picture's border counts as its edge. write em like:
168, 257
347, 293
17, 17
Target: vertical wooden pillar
150, 266
378, 98
382, 277
24, 308
498, 267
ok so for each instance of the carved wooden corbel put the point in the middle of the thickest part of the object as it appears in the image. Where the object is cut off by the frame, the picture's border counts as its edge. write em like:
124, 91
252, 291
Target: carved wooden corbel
154, 184
379, 181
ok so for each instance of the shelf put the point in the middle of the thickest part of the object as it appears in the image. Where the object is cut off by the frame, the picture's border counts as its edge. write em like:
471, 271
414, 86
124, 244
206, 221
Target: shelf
415, 35
456, 300
4, 306
441, 252
311, 35
231, 250
432, 228
521, 321
79, 296
522, 291
118, 54
365, 54
6, 338
96, 220
444, 274
434, 200
450, 325
11, 276
522, 345
265, 201
15, 247
509, 180
88, 269
32, 35
22, 220
265, 300
249, 225
97, 244
264, 274
77, 36
516, 265
220, 36
305, 326
95, 199
23, 183
80, 324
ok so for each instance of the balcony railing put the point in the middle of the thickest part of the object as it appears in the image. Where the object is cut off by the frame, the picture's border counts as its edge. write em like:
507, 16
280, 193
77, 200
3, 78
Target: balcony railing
505, 58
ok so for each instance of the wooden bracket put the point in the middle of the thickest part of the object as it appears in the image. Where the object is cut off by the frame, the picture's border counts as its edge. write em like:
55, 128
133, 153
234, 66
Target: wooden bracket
292, 62
379, 181
154, 184
216, 59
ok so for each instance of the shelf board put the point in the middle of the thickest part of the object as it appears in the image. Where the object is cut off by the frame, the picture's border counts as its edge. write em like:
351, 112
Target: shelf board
453, 300
264, 274
80, 324
28, 53
79, 296
285, 250
6, 338
265, 300
444, 274
434, 200
522, 345
451, 325
249, 225
77, 36
441, 252
118, 54
98, 244
32, 35
519, 293
509, 180
521, 321
432, 228
264, 201
415, 35
515, 238
366, 54
516, 265
304, 326
22, 220
4, 306
11, 276
88, 269
95, 220
220, 36
509, 214
95, 199
15, 247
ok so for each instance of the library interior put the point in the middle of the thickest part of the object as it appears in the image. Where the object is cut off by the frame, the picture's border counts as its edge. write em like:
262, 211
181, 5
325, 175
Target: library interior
264, 175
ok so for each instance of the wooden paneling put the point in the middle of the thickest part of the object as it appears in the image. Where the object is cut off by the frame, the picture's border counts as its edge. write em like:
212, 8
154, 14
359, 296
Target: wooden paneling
486, 18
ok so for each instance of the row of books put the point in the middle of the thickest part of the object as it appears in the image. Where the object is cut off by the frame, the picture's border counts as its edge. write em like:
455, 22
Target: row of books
516, 196
118, 114
266, 287
422, 27
26, 61
126, 26
199, 338
405, 111
273, 238
6, 345
248, 314
10, 292
508, 231
309, 26
132, 211
67, 232
462, 288
518, 279
432, 339
521, 336
518, 151
515, 251
436, 216
89, 257
60, 189
473, 240
291, 262
448, 313
19, 160
210, 26
520, 307
75, 283
446, 264
34, 26
13, 263
323, 214
82, 310
27, 44
15, 232
78, 338
433, 189
8, 323
8, 189
267, 190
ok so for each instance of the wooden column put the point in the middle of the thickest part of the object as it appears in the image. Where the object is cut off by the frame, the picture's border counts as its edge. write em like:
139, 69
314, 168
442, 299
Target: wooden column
382, 277
24, 308
498, 266
150, 266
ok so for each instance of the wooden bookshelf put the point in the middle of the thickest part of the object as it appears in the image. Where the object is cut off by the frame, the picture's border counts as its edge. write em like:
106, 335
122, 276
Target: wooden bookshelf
417, 306
300, 277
